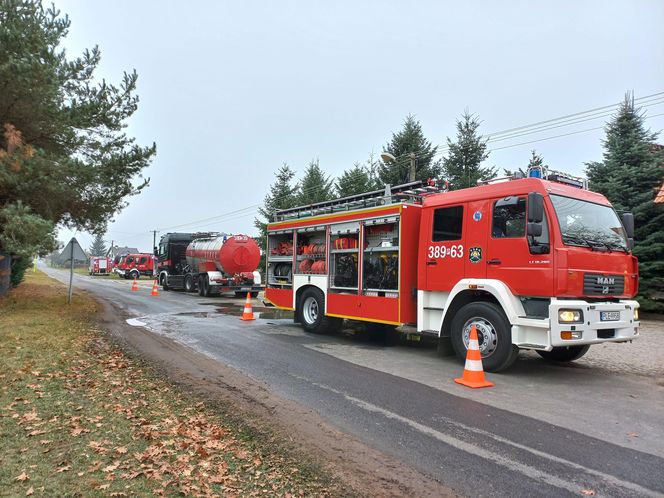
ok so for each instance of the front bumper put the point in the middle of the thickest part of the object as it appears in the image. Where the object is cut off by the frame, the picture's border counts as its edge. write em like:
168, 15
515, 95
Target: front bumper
594, 330
545, 334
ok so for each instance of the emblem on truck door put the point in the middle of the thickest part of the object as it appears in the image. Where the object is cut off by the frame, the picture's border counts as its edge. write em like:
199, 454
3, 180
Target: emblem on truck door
475, 254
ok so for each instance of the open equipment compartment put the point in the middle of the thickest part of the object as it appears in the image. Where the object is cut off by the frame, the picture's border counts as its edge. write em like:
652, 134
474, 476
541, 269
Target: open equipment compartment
311, 251
280, 259
344, 257
380, 262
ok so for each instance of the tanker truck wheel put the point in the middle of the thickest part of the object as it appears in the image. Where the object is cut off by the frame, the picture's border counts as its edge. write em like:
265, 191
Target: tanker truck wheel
569, 353
188, 283
164, 282
203, 286
494, 335
311, 313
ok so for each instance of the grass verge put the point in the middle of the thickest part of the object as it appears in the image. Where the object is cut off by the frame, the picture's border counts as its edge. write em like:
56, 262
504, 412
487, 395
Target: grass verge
80, 418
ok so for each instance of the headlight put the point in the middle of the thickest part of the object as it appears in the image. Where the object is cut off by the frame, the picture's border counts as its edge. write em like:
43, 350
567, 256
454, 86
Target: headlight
636, 314
570, 316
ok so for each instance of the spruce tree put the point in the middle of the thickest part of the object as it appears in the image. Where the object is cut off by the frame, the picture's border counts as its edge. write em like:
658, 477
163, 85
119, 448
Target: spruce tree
355, 180
631, 172
410, 139
65, 156
282, 195
315, 185
98, 247
462, 165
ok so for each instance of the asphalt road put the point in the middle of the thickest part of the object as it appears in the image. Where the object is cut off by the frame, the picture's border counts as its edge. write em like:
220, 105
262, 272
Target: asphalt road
543, 430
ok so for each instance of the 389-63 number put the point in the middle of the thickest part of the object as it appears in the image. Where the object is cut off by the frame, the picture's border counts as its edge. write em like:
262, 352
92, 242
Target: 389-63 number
446, 252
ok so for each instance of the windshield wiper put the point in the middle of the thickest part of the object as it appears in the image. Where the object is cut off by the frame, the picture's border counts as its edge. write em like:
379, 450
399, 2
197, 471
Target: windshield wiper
577, 239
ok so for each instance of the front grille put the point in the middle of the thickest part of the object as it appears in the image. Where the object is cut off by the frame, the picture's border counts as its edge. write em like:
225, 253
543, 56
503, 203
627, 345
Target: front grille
597, 284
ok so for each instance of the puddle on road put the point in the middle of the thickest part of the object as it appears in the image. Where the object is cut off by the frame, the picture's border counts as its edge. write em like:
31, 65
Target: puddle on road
260, 312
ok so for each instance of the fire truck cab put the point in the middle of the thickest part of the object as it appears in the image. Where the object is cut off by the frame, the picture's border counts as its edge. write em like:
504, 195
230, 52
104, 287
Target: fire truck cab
531, 263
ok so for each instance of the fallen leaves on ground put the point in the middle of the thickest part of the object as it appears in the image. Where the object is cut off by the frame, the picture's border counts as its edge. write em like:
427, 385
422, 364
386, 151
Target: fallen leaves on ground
116, 427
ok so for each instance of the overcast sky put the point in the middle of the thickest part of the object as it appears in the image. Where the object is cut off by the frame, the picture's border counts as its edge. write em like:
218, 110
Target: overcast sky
231, 90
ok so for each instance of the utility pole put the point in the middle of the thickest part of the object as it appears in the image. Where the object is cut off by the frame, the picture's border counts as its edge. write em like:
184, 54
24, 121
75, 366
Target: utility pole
412, 172
154, 238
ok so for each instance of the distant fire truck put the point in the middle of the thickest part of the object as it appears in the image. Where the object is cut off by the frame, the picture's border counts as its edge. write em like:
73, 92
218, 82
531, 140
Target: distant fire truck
100, 265
132, 266
535, 263
211, 263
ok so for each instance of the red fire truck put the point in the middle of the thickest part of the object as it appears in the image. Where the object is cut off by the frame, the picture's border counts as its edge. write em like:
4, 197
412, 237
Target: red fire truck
100, 265
135, 265
533, 263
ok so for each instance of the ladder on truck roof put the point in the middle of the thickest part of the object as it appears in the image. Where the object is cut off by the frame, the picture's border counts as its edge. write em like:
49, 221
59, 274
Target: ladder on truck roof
407, 192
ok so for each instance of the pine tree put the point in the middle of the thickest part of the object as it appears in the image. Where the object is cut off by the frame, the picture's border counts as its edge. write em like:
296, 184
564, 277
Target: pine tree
98, 247
282, 195
356, 180
65, 157
315, 185
629, 175
410, 139
462, 165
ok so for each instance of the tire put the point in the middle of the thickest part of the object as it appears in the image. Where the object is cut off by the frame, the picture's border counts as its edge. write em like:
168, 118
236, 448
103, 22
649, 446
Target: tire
564, 354
311, 313
494, 334
164, 282
204, 289
188, 283
134, 275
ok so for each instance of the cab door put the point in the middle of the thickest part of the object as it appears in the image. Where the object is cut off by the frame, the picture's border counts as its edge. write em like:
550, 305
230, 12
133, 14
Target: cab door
515, 258
445, 251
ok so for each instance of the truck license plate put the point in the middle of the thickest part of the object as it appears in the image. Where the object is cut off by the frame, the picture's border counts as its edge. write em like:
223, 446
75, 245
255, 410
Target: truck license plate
608, 316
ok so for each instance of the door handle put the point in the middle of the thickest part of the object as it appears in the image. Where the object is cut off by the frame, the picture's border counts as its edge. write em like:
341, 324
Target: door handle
434, 262
493, 262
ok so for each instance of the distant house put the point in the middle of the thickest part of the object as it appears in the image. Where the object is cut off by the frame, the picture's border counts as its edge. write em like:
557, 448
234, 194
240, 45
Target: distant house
120, 251
65, 257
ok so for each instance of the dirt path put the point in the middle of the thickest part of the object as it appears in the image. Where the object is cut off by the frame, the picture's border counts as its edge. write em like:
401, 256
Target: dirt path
367, 471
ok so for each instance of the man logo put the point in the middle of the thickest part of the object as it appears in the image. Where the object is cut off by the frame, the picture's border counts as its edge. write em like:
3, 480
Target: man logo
605, 289
606, 281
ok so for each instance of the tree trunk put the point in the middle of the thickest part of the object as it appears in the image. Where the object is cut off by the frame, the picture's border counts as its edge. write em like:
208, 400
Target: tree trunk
5, 271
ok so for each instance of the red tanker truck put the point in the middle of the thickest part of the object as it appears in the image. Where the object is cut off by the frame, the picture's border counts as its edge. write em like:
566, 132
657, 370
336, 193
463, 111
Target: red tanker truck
208, 262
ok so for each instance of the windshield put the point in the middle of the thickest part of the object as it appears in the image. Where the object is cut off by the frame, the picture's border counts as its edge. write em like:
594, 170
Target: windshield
587, 224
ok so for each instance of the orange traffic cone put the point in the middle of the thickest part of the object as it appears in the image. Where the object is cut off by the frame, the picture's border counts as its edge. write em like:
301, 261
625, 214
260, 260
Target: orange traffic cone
248, 313
473, 373
155, 292
134, 285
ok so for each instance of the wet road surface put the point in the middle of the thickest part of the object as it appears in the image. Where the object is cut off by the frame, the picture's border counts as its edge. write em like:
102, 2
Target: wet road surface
544, 430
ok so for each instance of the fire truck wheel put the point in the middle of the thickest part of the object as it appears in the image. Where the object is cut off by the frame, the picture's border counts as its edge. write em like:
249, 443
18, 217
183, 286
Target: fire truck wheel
311, 313
570, 353
134, 274
188, 283
493, 333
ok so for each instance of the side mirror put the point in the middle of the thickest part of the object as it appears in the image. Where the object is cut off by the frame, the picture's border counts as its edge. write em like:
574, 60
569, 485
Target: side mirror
156, 251
628, 223
535, 208
534, 229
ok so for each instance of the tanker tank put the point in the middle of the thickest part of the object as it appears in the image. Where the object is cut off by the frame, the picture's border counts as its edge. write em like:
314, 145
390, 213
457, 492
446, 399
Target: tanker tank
231, 255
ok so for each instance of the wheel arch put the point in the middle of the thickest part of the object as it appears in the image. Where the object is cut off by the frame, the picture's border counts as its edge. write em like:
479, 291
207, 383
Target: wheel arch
468, 291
